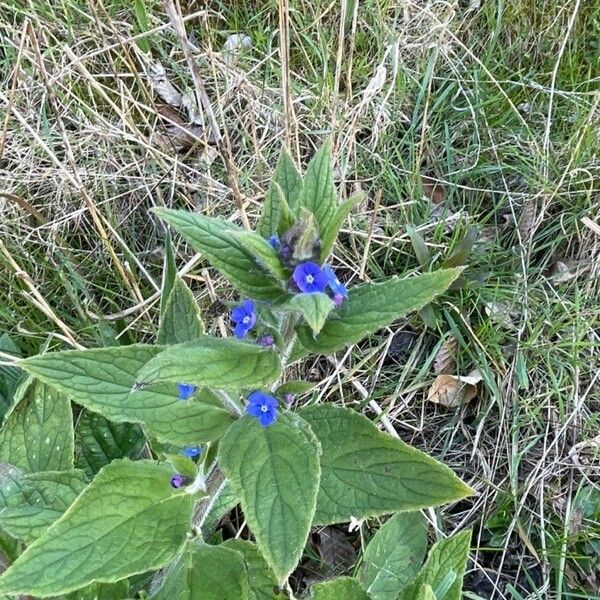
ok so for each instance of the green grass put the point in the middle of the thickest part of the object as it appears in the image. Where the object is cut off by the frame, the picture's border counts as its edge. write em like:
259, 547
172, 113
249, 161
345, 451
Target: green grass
498, 103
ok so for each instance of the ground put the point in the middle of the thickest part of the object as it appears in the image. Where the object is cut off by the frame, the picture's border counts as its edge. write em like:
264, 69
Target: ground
472, 127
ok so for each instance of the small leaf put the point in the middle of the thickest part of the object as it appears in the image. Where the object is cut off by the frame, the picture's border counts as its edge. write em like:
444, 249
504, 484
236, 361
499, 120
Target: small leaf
264, 253
314, 307
128, 520
287, 181
296, 387
346, 588
452, 391
213, 362
263, 583
419, 246
373, 306
44, 498
9, 376
444, 569
102, 380
444, 359
180, 321
394, 556
99, 441
222, 503
366, 473
319, 195
38, 432
213, 237
275, 471
205, 572
330, 233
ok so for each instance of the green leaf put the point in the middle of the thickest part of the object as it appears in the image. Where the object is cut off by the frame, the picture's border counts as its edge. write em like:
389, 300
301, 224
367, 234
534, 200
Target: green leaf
44, 497
394, 556
296, 387
346, 588
419, 246
213, 238
286, 180
263, 583
314, 307
213, 362
264, 253
367, 473
275, 472
38, 433
169, 272
426, 593
102, 380
376, 305
205, 572
224, 501
9, 376
103, 591
128, 520
318, 194
99, 441
181, 320
444, 569
330, 233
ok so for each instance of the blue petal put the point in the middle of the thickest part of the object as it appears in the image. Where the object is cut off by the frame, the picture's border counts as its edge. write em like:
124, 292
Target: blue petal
191, 452
238, 313
254, 410
186, 390
241, 329
249, 306
302, 271
267, 418
256, 397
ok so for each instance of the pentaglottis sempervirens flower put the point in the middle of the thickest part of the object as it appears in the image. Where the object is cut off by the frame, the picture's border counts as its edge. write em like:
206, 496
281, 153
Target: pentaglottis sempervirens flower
191, 451
274, 242
244, 317
310, 278
263, 407
186, 390
178, 480
340, 292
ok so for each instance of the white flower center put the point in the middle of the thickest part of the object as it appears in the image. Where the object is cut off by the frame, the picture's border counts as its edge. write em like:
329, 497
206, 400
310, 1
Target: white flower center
309, 279
264, 408
246, 319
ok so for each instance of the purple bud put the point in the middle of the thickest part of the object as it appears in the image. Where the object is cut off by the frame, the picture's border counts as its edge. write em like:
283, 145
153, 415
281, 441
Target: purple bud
338, 299
266, 340
178, 480
289, 398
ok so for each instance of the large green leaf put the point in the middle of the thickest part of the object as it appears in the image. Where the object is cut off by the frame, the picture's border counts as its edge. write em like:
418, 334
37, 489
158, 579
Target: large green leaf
264, 253
180, 320
128, 520
373, 306
214, 238
330, 233
205, 572
340, 588
366, 473
38, 433
263, 583
287, 182
102, 380
394, 555
314, 307
275, 471
213, 362
103, 591
99, 441
318, 194
443, 571
44, 497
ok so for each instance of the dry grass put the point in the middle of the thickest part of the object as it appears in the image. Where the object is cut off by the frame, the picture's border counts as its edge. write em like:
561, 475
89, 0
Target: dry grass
497, 104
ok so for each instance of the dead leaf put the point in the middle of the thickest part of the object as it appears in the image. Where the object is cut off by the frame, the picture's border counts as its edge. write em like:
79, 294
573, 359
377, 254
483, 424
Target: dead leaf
527, 220
234, 44
565, 269
434, 190
502, 315
452, 390
157, 76
336, 551
444, 359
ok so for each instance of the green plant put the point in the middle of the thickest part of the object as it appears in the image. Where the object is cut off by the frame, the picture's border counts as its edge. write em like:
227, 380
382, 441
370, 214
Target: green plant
218, 414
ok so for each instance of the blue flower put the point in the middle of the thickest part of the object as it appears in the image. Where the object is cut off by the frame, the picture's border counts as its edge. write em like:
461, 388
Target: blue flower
191, 451
244, 317
263, 407
310, 278
186, 390
274, 242
178, 480
335, 285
